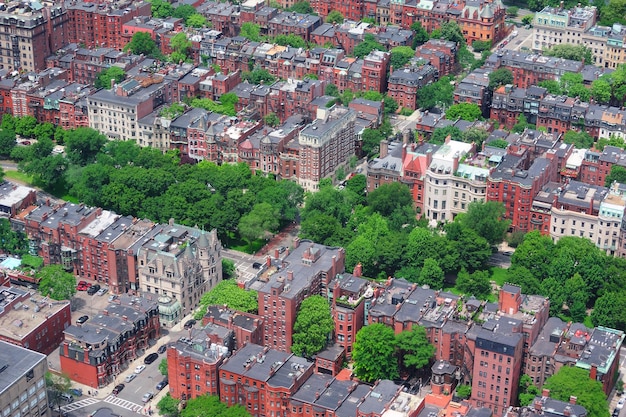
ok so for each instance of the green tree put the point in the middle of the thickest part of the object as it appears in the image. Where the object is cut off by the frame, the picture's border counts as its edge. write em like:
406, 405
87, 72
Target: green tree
499, 143
104, 78
211, 406
229, 270
25, 126
163, 367
581, 140
535, 254
400, 56
303, 7
368, 45
601, 91
184, 11
313, 326
480, 46
528, 19
56, 283
552, 86
441, 133
161, 9
373, 353
610, 310
142, 43
258, 76
44, 131
574, 381
290, 40
523, 278
486, 219
271, 119
477, 283
464, 111
11, 241
229, 293
449, 31
180, 46
501, 76
464, 391
569, 51
334, 17
389, 198
197, 20
57, 385
7, 142
618, 174
431, 274
48, 171
512, 11
168, 406
475, 135
262, 220
527, 391
389, 104
420, 36
332, 90
251, 31
83, 144
414, 349
440, 93
522, 124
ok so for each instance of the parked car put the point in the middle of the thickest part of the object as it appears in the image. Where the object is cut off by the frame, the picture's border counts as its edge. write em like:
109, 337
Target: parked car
102, 291
189, 324
112, 297
150, 358
93, 289
620, 404
162, 349
282, 249
82, 319
67, 397
83, 286
147, 396
139, 369
256, 265
77, 392
130, 377
118, 388
162, 384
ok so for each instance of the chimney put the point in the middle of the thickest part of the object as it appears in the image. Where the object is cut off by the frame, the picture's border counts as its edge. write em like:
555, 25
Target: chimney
384, 148
268, 261
573, 399
334, 270
593, 373
567, 411
358, 270
545, 392
171, 221
290, 275
276, 254
112, 83
296, 242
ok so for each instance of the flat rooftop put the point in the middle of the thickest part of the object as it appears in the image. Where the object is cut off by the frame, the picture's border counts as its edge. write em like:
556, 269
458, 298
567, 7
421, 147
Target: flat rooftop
15, 362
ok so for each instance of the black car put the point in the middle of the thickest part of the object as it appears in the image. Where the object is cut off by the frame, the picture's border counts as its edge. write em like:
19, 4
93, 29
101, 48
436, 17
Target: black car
93, 289
189, 324
162, 349
256, 265
161, 385
118, 388
82, 319
150, 358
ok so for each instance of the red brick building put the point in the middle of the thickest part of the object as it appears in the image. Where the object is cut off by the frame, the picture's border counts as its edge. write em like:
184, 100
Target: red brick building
262, 379
246, 327
514, 186
307, 270
404, 84
32, 322
439, 53
374, 71
193, 362
95, 352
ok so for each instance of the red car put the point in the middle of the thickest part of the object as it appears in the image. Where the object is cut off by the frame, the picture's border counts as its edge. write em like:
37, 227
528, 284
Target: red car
83, 286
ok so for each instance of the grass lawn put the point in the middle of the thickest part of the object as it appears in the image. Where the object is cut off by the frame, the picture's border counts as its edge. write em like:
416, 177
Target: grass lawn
236, 243
19, 176
498, 275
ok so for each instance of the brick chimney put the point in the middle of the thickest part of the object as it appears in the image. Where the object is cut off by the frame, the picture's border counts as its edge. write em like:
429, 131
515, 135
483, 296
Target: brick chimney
296, 242
276, 253
290, 275
573, 399
545, 392
358, 270
384, 148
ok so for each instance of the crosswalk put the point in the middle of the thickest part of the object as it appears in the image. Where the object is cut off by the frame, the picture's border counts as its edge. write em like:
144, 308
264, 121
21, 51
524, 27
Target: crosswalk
129, 405
79, 404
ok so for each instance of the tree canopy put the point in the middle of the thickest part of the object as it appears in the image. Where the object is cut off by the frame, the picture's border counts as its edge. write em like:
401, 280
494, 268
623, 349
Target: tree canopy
414, 349
313, 326
142, 43
211, 406
373, 353
334, 17
501, 76
105, 76
569, 51
575, 381
368, 45
251, 31
56, 283
464, 111
229, 293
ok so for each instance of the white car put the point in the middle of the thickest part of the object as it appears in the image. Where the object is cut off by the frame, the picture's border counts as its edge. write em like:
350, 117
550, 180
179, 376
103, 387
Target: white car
620, 403
147, 397
102, 291
140, 369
